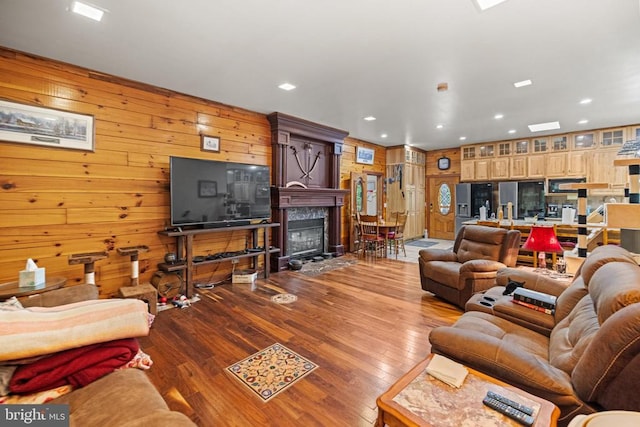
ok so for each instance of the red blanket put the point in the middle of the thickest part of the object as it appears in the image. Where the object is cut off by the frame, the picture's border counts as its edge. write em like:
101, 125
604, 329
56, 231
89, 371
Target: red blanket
77, 367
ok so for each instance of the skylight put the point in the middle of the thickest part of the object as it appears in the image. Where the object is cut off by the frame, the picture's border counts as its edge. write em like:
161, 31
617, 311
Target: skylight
88, 11
539, 127
523, 83
486, 4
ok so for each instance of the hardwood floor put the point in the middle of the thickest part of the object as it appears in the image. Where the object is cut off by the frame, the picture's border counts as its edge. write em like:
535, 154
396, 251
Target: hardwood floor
365, 325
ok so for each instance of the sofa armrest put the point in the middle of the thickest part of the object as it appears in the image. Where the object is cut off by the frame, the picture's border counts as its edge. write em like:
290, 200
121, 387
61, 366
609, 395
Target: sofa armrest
534, 281
62, 296
481, 266
437, 255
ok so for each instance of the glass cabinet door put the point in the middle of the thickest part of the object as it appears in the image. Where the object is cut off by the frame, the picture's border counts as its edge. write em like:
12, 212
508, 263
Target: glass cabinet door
521, 147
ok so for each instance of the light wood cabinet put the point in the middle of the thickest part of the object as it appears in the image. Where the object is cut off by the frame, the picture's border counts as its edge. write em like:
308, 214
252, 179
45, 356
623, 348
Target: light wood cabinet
587, 154
536, 166
577, 163
601, 170
583, 141
467, 170
500, 168
482, 170
519, 167
612, 137
556, 164
411, 197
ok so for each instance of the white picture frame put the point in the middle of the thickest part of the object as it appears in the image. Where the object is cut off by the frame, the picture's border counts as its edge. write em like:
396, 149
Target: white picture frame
210, 143
28, 124
364, 155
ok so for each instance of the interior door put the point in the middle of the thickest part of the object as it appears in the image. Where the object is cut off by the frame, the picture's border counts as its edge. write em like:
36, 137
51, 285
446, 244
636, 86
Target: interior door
441, 207
358, 203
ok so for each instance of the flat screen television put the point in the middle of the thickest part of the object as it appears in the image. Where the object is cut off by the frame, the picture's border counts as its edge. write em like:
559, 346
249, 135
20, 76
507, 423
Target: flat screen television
212, 193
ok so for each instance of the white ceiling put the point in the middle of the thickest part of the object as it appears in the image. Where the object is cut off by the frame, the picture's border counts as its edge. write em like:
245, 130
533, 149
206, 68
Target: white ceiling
354, 58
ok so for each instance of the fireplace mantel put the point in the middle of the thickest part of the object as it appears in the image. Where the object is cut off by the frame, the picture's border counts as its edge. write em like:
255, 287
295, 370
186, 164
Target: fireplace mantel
296, 197
308, 154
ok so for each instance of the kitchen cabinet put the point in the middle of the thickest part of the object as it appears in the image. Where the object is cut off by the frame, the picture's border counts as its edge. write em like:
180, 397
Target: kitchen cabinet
536, 166
583, 141
612, 137
467, 170
556, 164
601, 170
577, 163
518, 167
482, 169
500, 168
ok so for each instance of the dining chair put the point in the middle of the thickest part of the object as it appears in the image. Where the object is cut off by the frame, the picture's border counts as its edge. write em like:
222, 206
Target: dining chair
371, 238
397, 239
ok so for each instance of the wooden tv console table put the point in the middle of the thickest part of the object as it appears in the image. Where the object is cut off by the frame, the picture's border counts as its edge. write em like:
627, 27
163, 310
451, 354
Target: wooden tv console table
184, 250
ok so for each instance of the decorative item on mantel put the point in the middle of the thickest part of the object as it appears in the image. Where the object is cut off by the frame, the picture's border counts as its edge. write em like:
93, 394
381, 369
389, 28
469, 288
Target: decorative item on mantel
542, 239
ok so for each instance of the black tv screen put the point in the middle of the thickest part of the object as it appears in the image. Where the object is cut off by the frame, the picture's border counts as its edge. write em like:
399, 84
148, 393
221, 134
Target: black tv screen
217, 193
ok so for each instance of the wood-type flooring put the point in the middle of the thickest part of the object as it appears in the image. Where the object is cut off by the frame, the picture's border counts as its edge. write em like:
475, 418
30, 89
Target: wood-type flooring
365, 325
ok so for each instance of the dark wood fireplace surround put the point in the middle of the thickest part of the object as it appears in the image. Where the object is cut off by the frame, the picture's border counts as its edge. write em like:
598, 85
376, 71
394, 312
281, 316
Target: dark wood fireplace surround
306, 173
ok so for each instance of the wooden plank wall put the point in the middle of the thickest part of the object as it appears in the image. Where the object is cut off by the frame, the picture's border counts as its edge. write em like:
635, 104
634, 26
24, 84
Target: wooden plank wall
57, 202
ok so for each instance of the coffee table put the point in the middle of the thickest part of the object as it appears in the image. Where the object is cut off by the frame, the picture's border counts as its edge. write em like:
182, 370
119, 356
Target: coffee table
418, 399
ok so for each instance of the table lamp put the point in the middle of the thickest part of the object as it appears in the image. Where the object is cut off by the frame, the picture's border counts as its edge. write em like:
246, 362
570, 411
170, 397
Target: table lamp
542, 239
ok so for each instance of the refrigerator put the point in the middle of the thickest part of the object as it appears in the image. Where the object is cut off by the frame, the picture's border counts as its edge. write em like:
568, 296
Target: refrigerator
527, 198
469, 198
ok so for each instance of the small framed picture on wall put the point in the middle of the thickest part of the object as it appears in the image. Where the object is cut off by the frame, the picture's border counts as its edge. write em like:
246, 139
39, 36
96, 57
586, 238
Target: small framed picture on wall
364, 155
210, 143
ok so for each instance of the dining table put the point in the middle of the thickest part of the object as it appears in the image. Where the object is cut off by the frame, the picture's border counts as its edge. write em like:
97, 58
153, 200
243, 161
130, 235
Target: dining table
385, 228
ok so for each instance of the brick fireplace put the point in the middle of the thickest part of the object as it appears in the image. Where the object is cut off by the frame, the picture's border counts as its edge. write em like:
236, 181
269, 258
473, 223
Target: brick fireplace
306, 174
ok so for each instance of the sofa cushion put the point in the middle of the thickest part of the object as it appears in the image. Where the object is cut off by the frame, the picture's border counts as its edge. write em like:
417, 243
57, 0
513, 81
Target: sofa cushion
572, 335
600, 256
444, 272
501, 349
481, 243
608, 296
122, 398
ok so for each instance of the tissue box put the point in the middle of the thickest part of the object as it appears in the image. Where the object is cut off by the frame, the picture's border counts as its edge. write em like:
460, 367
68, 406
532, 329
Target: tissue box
32, 279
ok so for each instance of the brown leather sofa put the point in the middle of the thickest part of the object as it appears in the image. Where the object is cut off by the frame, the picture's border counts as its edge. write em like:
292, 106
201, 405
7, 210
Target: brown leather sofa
590, 359
478, 253
124, 398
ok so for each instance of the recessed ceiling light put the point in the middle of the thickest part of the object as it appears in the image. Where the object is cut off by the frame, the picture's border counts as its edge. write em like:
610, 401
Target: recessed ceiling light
462, 138
486, 4
384, 135
439, 126
539, 127
369, 118
523, 83
86, 10
512, 131
287, 86
586, 101
498, 116
583, 122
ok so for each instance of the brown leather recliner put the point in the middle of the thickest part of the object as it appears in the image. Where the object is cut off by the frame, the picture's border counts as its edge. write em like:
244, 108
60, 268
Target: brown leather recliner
478, 253
591, 359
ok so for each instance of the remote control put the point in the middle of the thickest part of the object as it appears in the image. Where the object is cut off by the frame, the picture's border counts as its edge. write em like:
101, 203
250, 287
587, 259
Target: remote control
509, 411
519, 406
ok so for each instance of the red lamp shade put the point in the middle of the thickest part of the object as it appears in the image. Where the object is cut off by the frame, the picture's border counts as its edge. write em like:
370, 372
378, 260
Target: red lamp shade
542, 239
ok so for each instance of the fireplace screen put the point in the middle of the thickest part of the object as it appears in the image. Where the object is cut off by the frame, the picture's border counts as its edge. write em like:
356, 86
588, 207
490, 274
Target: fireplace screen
305, 238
